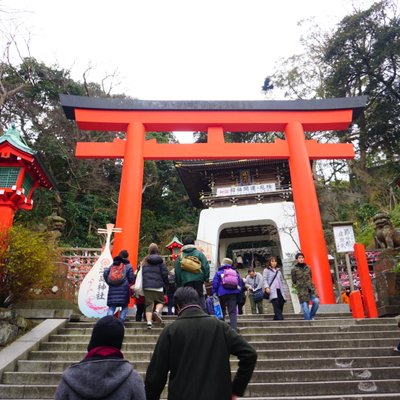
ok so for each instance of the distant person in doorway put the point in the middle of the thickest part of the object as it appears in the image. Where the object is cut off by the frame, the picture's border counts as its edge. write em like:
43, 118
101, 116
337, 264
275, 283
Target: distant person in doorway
306, 291
103, 373
194, 352
155, 281
274, 286
186, 278
254, 284
239, 261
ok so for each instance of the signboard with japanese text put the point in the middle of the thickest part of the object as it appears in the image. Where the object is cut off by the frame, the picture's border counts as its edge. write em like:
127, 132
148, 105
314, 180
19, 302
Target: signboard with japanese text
344, 238
248, 189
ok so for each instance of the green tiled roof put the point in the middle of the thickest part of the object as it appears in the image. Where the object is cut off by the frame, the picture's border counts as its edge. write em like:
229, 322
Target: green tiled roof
14, 137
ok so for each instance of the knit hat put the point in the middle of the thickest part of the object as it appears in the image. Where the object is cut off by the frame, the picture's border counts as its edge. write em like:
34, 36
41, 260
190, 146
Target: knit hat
227, 261
108, 331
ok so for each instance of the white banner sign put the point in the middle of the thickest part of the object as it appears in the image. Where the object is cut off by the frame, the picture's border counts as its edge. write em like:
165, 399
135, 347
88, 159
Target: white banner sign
344, 238
249, 189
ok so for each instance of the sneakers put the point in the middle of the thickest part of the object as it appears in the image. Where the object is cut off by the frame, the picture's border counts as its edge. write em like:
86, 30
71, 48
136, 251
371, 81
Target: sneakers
149, 325
157, 317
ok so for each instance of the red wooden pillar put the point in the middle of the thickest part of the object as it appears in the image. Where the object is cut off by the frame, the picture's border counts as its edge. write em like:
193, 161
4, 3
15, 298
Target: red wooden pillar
130, 196
307, 212
365, 281
7, 212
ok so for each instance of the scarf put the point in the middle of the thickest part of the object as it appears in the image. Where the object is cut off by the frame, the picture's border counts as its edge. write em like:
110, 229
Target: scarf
104, 351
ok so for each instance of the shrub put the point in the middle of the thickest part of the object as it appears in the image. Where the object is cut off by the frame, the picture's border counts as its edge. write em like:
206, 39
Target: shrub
26, 264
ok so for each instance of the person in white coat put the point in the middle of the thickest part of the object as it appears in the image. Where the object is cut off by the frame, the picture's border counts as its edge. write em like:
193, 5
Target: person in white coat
274, 285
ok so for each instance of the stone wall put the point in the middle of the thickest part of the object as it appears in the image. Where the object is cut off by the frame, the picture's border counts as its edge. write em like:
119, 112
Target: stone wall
12, 325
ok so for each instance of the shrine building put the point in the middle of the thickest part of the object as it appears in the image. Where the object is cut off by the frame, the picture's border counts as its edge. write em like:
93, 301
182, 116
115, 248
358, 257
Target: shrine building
247, 208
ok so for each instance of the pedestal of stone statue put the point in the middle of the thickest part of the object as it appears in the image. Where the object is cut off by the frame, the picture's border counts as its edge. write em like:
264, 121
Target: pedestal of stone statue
387, 282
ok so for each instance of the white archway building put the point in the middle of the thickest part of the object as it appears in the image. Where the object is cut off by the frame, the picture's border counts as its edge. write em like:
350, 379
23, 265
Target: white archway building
281, 215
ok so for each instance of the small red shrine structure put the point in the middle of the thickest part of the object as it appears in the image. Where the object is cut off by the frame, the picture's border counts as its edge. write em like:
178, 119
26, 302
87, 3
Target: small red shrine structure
174, 246
21, 172
294, 118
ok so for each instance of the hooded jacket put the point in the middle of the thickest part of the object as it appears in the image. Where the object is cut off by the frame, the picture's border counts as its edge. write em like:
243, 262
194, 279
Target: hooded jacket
154, 273
101, 378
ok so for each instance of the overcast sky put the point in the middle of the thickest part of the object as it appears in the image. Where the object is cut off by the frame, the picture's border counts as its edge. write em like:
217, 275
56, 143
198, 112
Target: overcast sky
172, 49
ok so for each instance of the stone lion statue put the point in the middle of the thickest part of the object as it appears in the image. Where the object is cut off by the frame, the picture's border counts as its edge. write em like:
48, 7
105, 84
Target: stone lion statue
386, 235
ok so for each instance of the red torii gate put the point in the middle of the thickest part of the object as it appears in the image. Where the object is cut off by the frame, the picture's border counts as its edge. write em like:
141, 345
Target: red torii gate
135, 117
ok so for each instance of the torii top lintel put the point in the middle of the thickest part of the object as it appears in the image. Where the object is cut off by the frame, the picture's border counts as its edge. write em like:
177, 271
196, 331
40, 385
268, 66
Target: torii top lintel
215, 117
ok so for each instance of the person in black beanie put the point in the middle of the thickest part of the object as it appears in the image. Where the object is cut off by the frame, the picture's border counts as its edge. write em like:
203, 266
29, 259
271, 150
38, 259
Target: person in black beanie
103, 373
119, 293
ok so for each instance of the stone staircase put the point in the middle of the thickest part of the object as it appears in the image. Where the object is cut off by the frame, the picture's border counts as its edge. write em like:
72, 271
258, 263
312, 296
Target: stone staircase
333, 357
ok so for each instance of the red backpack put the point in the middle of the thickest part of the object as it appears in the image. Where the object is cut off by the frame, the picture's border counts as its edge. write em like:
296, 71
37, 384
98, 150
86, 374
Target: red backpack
117, 274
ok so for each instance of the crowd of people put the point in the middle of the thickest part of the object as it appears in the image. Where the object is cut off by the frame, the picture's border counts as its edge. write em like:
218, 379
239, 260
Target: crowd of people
228, 290
185, 347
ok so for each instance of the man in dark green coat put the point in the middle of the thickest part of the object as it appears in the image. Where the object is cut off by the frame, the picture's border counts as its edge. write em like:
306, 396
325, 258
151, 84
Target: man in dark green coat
195, 351
187, 278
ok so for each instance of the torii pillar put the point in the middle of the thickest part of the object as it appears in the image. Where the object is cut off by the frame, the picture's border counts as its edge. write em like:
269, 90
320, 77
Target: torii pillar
136, 117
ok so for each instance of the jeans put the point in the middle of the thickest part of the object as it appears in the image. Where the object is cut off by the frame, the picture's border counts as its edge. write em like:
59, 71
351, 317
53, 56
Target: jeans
123, 313
306, 310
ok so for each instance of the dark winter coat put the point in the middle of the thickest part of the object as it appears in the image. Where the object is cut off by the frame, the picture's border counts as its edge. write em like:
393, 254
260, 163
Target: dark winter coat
302, 279
217, 287
154, 273
182, 277
195, 350
119, 295
101, 378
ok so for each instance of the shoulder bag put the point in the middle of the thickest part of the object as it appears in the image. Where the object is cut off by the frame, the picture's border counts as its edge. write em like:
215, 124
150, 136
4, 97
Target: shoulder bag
266, 295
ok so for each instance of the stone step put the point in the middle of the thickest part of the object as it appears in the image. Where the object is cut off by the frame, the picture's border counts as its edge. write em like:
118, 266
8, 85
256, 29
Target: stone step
263, 364
316, 375
271, 353
145, 338
355, 386
259, 376
265, 344
263, 319
257, 390
333, 357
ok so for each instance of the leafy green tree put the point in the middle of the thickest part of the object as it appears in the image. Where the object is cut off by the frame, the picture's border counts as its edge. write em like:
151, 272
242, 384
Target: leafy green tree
360, 57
